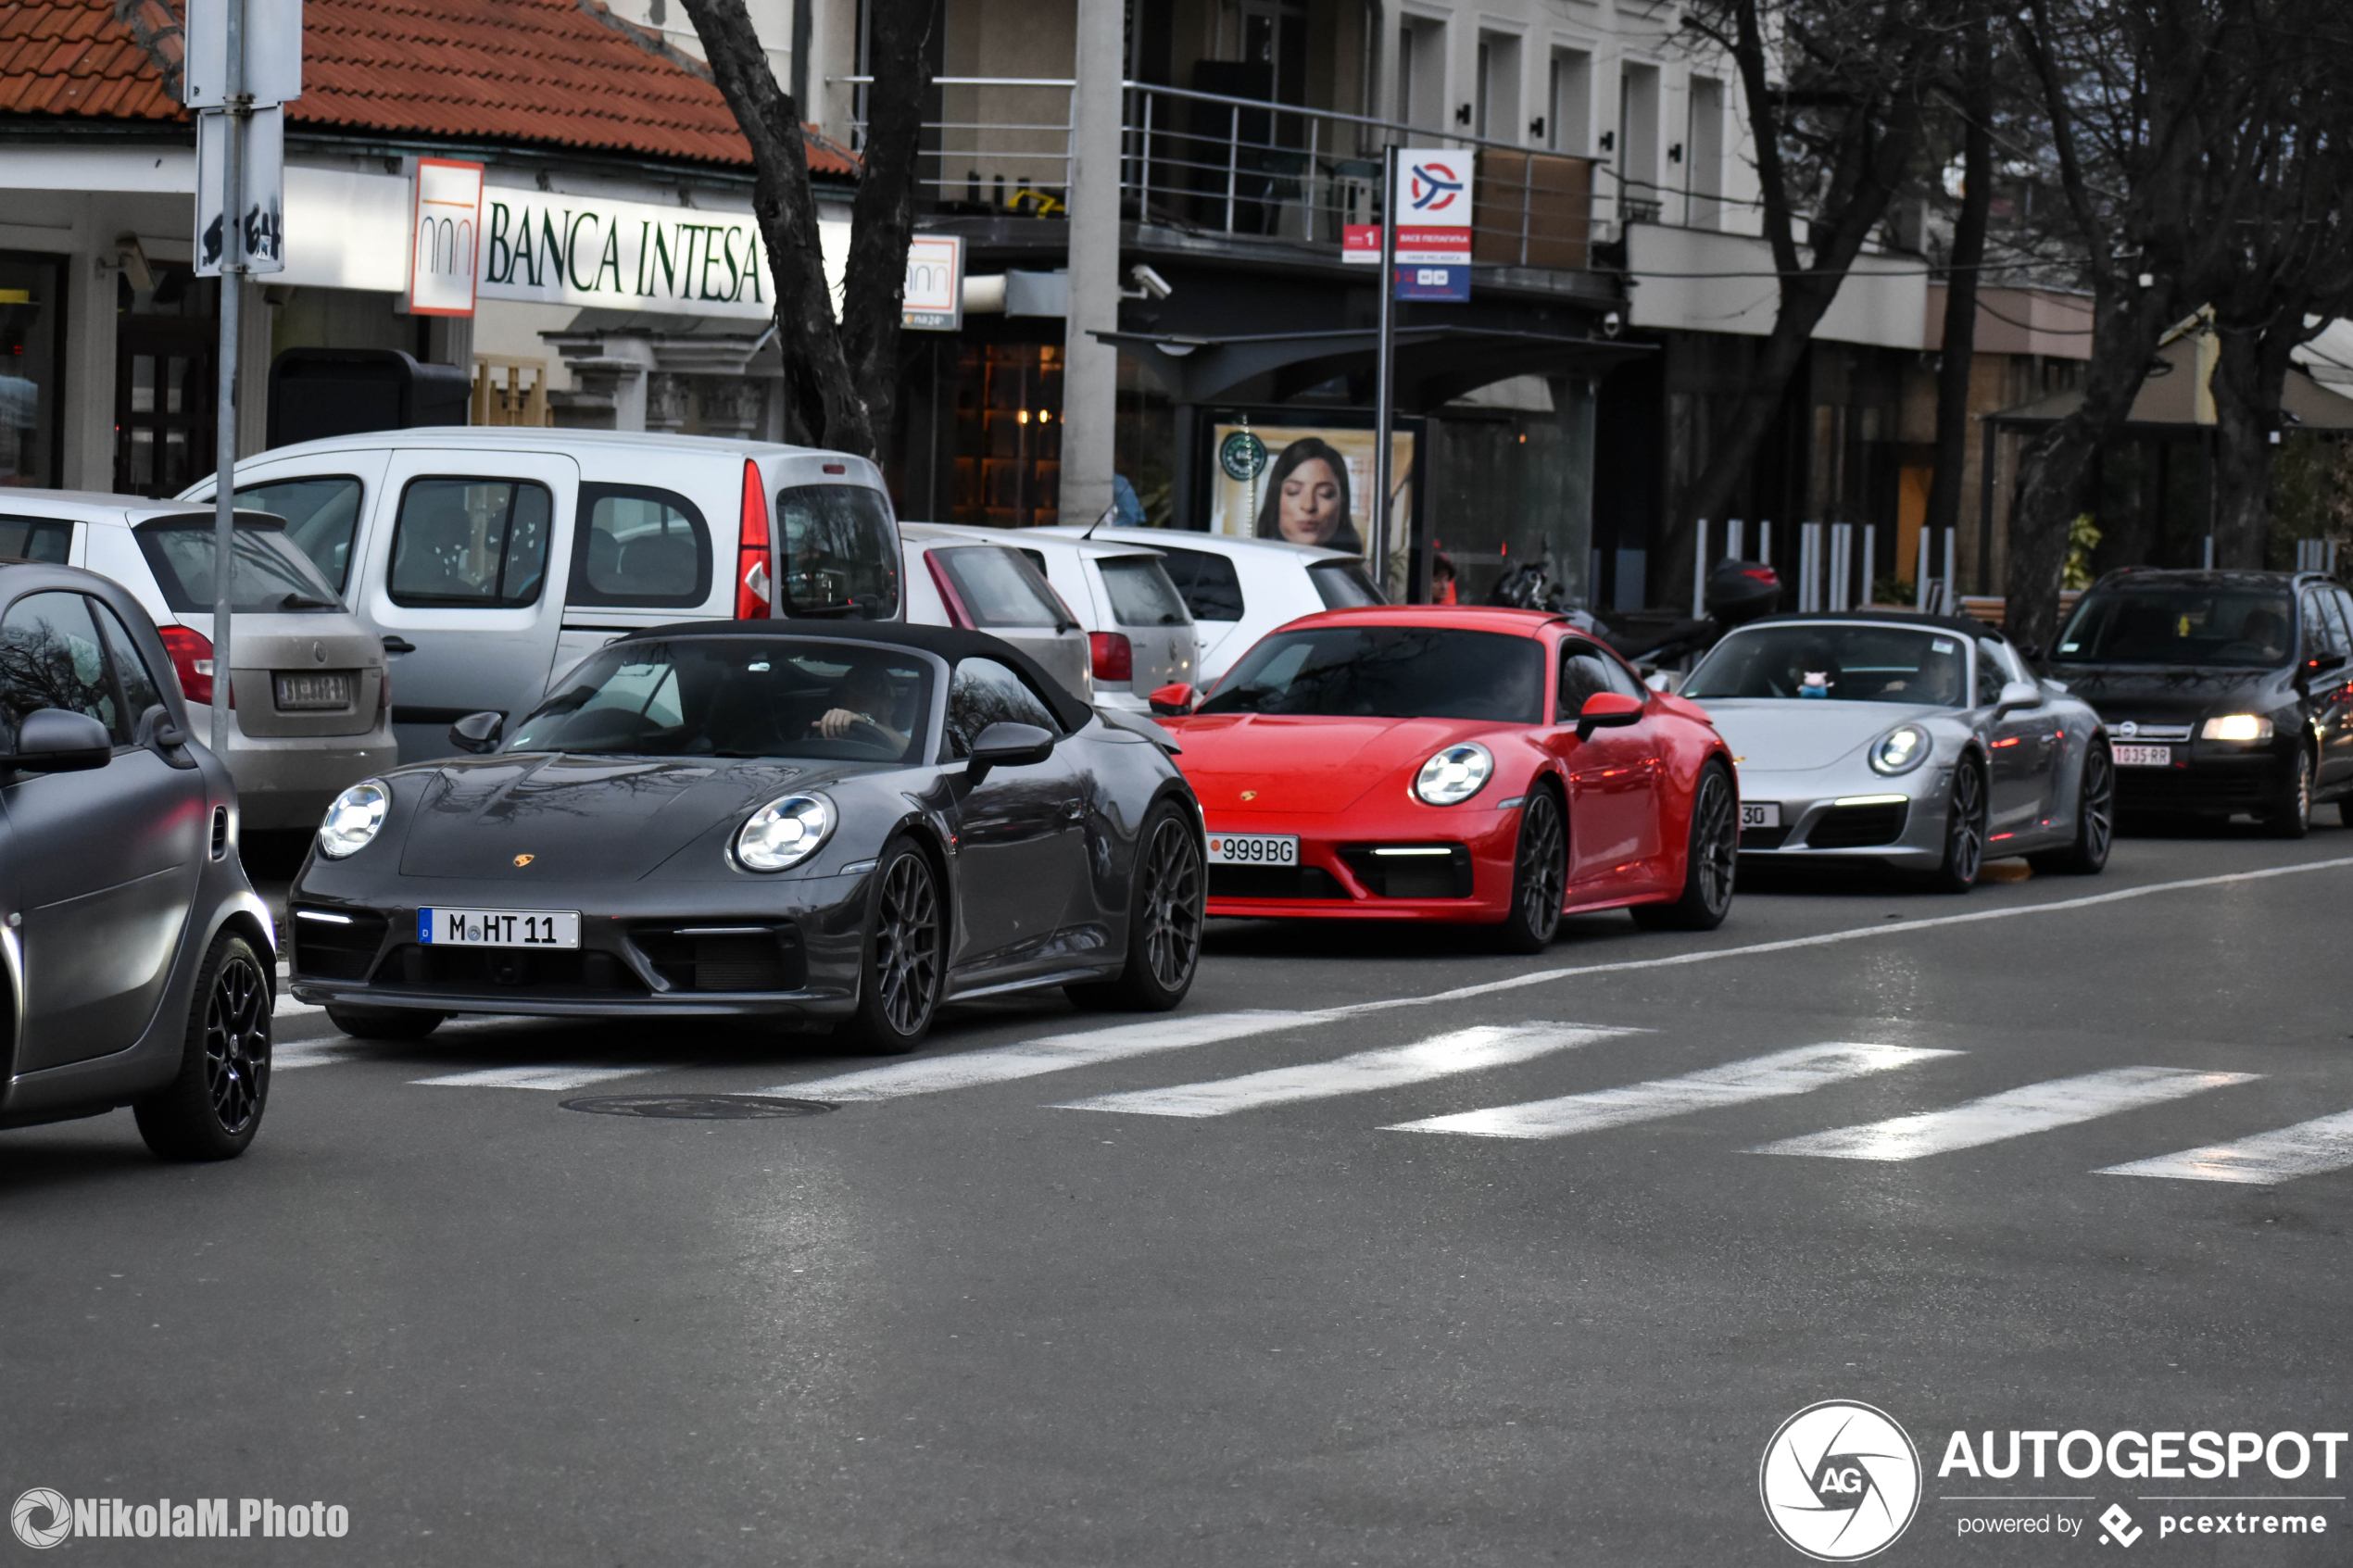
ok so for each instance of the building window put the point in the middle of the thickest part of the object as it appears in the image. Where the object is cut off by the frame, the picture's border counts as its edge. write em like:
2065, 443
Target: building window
164, 380
31, 368
1421, 73
1568, 102
1009, 402
1704, 155
1496, 117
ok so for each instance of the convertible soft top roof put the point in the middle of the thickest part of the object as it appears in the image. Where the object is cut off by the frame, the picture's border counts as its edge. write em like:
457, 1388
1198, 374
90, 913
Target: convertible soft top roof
1967, 625
949, 642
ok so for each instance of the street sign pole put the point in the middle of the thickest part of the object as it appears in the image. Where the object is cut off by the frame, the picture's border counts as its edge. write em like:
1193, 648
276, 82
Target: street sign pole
1384, 376
224, 489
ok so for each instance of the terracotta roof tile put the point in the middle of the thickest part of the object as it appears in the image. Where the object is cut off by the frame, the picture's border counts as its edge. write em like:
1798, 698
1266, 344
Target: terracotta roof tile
551, 73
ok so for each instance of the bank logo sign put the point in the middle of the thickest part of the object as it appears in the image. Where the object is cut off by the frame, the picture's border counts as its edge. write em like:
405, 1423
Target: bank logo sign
1839, 1481
445, 235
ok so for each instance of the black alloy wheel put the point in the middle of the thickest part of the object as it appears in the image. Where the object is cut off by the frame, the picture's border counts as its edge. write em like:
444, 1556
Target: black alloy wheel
899, 990
2291, 815
2095, 820
1964, 832
1540, 876
1712, 863
212, 1108
1165, 919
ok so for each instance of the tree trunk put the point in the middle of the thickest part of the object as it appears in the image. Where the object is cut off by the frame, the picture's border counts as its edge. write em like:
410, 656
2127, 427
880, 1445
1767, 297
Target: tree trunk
1959, 350
2250, 373
883, 216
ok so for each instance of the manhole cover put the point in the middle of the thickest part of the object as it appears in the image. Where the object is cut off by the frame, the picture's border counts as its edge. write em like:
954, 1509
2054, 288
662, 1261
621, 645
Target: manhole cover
698, 1108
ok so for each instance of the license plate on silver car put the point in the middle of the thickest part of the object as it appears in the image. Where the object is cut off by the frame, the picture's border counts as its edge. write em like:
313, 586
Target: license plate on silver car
330, 688
498, 928
2143, 756
1760, 813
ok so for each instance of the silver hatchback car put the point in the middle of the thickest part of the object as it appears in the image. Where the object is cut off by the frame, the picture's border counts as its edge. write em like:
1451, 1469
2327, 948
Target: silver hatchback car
310, 711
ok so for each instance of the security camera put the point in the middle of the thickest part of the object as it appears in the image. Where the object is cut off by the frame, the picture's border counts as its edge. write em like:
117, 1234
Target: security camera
1150, 283
1612, 324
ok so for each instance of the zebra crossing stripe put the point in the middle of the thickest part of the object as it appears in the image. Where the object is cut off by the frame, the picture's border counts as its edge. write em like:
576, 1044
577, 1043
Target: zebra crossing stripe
559, 1077
2308, 1149
1054, 1053
2013, 1114
1440, 1056
289, 1058
1794, 1071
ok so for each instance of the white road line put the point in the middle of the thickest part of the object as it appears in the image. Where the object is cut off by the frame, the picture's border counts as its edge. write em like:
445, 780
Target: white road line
533, 1077
286, 1007
1440, 1056
2308, 1149
1054, 1053
2013, 1114
286, 1058
1764, 1077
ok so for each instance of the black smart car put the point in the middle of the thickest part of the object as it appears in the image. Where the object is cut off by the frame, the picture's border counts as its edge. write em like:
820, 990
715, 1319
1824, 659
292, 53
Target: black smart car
2222, 691
136, 956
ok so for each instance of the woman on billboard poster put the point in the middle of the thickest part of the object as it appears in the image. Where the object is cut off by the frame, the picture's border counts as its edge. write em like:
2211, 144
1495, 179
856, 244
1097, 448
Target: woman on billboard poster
1307, 498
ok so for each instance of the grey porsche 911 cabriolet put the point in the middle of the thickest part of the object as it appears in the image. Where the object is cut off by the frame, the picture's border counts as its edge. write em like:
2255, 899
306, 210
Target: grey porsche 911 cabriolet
737, 819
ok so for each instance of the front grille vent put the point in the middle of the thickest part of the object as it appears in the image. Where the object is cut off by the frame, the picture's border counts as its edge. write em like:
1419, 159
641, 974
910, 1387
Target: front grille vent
1387, 874
1859, 827
1274, 882
332, 943
727, 959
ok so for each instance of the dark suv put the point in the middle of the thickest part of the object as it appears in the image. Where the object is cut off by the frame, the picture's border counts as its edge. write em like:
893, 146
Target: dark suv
136, 957
2222, 691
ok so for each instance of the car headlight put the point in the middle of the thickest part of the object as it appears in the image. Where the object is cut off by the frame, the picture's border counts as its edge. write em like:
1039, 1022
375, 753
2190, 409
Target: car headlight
1900, 751
2240, 727
1454, 776
784, 832
354, 819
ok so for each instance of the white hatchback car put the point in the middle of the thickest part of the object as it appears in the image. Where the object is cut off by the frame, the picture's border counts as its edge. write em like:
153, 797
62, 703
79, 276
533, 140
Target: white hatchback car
1238, 589
956, 578
309, 710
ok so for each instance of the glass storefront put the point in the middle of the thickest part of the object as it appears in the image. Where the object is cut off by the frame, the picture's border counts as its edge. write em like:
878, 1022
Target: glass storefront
31, 368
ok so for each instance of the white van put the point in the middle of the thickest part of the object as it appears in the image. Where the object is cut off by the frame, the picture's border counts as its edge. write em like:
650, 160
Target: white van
491, 559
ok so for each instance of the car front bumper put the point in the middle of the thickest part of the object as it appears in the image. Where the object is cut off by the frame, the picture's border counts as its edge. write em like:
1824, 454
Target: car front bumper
1827, 814
2209, 778
1343, 873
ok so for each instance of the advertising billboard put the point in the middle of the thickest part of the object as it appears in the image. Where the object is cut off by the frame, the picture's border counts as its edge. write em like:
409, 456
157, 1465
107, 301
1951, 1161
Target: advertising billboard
1309, 483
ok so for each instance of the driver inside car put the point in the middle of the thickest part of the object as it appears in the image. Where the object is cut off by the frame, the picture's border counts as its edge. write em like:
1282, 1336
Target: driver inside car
863, 697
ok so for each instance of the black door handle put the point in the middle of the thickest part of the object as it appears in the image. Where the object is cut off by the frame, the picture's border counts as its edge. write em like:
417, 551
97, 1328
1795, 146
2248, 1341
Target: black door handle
400, 645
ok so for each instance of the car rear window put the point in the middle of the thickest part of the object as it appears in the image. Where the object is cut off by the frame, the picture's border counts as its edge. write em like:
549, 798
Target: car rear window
840, 549
36, 538
1344, 584
996, 587
270, 575
1141, 593
1210, 586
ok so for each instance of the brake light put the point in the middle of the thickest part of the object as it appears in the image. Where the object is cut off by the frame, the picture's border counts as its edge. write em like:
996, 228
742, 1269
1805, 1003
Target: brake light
754, 579
1762, 574
191, 653
1114, 657
947, 595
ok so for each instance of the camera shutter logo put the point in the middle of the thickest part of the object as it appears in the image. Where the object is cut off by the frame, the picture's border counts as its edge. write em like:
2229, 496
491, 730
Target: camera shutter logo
1839, 1481
40, 1500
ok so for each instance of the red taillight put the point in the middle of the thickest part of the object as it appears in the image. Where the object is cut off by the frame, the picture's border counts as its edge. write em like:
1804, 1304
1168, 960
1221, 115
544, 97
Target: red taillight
754, 577
1114, 658
191, 653
947, 595
1762, 574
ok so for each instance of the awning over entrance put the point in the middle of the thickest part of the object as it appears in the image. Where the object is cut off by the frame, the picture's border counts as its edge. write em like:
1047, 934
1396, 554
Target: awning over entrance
2173, 398
1435, 365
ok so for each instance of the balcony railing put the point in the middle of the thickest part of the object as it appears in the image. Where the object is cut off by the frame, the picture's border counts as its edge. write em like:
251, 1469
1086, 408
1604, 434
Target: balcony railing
1208, 164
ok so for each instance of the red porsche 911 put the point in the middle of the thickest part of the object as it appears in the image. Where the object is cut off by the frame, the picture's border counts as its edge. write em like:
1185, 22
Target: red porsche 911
1468, 765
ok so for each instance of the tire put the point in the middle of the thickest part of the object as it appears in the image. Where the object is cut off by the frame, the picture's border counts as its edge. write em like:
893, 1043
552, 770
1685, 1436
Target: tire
1540, 875
1963, 833
2291, 812
905, 965
1164, 917
211, 1108
2095, 822
384, 1023
1712, 862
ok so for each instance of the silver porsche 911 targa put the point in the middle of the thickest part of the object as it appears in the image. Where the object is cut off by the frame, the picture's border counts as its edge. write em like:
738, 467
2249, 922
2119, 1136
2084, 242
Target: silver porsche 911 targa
1921, 742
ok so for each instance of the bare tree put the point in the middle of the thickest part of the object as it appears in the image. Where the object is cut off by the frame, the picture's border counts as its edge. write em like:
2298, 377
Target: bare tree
841, 373
1973, 95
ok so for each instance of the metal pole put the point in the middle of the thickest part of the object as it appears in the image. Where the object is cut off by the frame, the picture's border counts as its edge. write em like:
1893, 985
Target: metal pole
224, 485
1765, 540
1952, 572
1920, 570
1699, 572
1735, 539
1871, 550
1385, 373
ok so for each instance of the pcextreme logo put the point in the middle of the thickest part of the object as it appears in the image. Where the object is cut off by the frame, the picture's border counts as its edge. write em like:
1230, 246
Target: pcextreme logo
1839, 1481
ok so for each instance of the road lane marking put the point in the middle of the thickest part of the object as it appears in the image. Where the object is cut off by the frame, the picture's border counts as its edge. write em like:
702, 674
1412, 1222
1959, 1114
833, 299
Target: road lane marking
1054, 1053
1440, 1056
2013, 1114
287, 1055
1785, 1073
558, 1077
2308, 1149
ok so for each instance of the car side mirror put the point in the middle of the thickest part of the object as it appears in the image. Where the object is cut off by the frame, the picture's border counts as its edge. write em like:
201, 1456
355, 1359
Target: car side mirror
1607, 711
52, 740
2320, 664
479, 733
1008, 745
2017, 694
1171, 700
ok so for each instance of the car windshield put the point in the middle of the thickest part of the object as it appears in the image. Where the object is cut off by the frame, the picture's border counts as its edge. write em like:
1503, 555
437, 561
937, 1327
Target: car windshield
2176, 623
1838, 664
1388, 673
273, 575
738, 696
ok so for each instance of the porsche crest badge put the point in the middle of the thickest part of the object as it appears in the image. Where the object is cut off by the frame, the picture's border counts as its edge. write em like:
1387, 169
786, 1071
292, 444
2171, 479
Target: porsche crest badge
1250, 795
522, 860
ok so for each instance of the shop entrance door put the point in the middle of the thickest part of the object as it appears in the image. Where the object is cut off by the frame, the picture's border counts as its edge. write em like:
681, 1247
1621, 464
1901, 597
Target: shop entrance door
164, 383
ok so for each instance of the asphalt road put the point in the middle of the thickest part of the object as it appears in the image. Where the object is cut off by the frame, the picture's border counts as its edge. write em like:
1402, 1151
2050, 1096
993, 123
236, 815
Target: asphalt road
1189, 1291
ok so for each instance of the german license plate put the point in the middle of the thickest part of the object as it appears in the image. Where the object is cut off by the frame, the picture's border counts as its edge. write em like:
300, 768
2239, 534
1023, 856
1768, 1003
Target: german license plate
330, 688
2143, 756
1760, 813
1254, 849
498, 928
